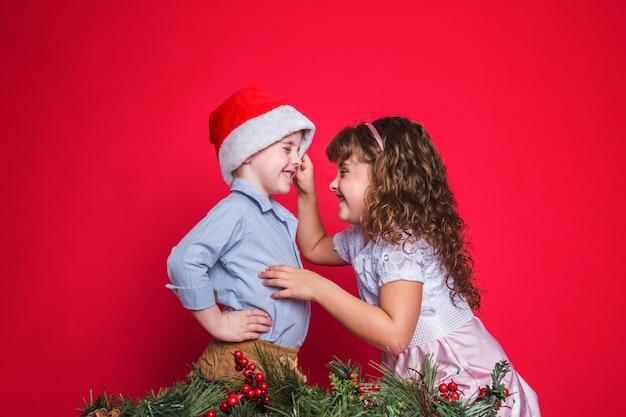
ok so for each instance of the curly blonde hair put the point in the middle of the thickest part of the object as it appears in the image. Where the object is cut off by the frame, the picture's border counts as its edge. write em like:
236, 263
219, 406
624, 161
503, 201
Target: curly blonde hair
409, 195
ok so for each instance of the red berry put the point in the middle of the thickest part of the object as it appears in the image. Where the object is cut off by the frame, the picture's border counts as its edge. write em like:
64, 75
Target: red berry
264, 386
245, 388
238, 368
232, 400
247, 373
482, 392
259, 377
454, 395
243, 361
210, 413
252, 367
258, 392
443, 387
224, 406
452, 386
250, 394
238, 354
506, 392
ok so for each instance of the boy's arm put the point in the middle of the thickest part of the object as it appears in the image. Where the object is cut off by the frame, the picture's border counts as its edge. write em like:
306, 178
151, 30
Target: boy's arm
188, 269
233, 326
314, 244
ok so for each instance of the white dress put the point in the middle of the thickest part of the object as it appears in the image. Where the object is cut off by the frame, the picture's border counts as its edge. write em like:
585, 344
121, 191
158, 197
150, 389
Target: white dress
461, 346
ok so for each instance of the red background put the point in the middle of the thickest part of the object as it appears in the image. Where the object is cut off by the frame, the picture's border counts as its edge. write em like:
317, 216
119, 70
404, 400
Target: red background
106, 164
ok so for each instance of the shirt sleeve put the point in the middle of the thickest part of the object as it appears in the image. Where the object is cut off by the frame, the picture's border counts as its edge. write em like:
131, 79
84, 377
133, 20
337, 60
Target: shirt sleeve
405, 261
190, 262
342, 242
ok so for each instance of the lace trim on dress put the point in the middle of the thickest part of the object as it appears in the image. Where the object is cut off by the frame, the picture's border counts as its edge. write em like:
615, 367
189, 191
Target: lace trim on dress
432, 328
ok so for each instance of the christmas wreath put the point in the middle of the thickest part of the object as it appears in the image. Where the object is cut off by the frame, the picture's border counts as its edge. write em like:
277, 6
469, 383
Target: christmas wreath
281, 390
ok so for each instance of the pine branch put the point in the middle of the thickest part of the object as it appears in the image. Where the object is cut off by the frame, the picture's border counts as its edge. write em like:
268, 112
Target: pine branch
412, 396
350, 395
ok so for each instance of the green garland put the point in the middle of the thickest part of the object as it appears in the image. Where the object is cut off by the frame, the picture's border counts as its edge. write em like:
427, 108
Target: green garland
282, 391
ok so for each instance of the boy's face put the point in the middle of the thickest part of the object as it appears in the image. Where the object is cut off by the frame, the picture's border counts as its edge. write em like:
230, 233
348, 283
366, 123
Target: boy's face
272, 169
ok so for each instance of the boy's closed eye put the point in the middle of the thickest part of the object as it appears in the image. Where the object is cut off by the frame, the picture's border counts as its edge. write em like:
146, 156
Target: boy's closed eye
290, 146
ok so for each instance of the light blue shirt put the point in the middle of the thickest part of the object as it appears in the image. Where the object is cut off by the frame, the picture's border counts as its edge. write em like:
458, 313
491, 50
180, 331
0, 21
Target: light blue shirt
218, 261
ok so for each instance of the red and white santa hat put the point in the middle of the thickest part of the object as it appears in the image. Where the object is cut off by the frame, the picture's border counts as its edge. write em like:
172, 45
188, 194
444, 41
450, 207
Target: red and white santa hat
251, 120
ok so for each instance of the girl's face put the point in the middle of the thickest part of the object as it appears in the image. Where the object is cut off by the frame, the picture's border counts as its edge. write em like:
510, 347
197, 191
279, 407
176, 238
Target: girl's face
350, 186
272, 169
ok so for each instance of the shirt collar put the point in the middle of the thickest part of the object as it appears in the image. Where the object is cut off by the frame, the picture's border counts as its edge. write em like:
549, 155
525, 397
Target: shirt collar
265, 203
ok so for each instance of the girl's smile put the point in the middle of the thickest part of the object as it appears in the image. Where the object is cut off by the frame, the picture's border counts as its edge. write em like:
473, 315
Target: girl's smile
350, 186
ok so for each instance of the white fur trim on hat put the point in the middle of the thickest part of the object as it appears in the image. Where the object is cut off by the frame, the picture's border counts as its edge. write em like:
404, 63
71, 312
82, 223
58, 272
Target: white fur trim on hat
260, 132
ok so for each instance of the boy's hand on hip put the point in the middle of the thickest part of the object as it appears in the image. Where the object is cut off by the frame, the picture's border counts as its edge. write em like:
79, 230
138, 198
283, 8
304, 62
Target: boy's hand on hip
240, 325
234, 326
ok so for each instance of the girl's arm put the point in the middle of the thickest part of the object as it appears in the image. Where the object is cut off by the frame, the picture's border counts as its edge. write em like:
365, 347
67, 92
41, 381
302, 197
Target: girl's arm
314, 244
389, 326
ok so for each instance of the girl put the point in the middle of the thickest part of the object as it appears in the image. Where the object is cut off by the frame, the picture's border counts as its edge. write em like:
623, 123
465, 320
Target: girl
407, 247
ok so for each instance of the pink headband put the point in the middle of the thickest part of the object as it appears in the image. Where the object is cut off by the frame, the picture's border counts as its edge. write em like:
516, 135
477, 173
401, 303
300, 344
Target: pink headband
376, 135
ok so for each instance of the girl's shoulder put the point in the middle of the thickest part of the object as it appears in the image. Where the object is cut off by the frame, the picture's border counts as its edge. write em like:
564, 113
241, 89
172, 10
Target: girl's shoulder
351, 237
352, 233
407, 244
410, 258
349, 243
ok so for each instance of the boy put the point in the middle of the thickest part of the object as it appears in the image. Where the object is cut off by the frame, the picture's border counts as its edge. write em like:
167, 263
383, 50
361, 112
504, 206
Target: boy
259, 140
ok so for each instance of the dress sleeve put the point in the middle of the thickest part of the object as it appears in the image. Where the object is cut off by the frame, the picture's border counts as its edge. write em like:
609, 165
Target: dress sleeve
404, 261
344, 241
190, 262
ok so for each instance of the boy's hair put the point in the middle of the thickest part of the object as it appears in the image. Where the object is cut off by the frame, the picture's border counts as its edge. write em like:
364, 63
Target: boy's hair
249, 121
409, 193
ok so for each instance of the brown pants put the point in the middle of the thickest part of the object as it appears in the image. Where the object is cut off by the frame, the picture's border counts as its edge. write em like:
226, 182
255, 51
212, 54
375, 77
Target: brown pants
218, 361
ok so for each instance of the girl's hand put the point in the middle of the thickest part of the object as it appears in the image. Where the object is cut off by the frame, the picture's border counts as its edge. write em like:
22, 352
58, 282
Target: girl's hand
304, 181
297, 283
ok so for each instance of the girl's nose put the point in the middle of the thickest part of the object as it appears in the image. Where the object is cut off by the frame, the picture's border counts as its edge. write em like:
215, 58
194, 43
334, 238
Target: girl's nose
333, 184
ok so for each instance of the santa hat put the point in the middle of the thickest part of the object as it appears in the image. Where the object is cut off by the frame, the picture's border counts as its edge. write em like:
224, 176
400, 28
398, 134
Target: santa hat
251, 120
